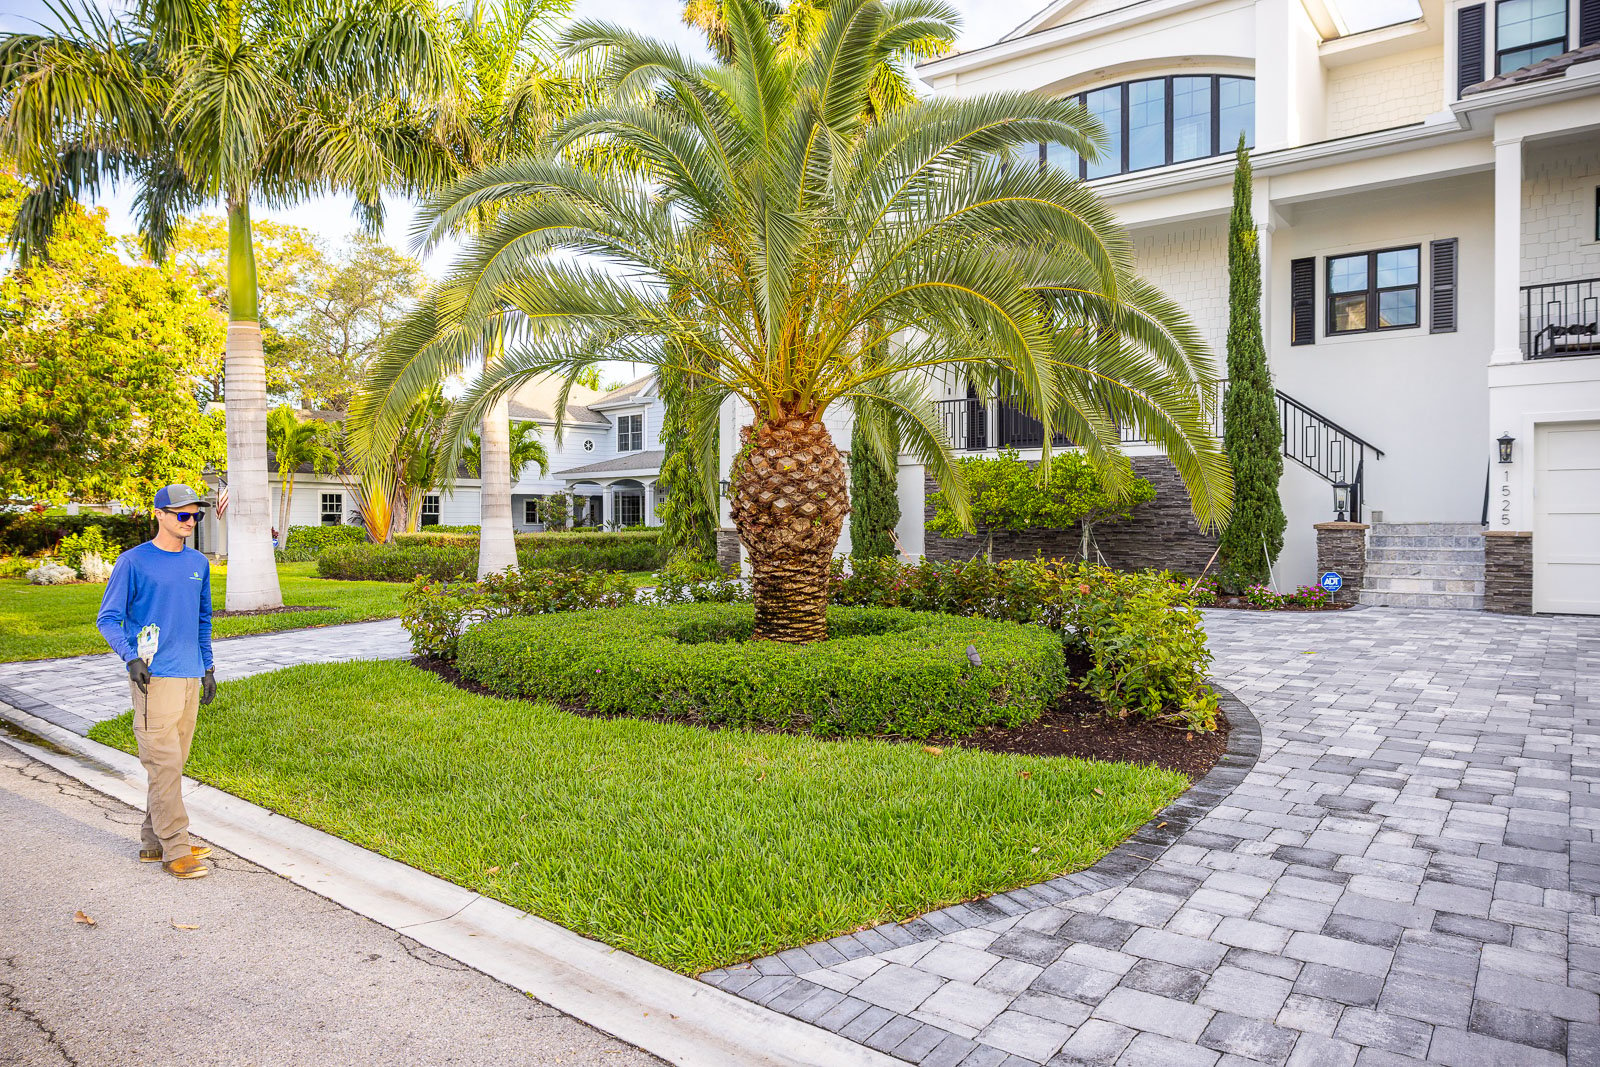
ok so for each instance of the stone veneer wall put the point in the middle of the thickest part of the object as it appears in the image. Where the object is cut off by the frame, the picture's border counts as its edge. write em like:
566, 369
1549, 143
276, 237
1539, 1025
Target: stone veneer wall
728, 550
1508, 572
1161, 534
1342, 548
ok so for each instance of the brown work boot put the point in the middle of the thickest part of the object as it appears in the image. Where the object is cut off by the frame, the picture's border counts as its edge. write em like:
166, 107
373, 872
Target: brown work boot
153, 855
187, 867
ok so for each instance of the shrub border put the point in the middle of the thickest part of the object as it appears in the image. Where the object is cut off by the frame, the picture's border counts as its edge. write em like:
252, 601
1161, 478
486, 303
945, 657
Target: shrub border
1115, 869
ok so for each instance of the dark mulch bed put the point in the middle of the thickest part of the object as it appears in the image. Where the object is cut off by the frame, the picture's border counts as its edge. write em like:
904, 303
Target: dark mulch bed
268, 611
1075, 725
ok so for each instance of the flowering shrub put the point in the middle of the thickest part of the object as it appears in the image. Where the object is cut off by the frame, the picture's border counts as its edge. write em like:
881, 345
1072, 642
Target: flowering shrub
1140, 629
436, 613
698, 583
1307, 596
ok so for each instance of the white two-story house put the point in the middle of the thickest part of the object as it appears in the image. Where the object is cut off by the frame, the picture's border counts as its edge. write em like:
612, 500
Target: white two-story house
1427, 195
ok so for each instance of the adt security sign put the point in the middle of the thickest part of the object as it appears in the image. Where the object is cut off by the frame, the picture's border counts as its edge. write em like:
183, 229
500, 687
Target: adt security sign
1332, 582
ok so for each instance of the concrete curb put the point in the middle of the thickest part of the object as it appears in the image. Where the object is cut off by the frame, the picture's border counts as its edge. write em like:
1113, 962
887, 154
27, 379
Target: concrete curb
682, 1020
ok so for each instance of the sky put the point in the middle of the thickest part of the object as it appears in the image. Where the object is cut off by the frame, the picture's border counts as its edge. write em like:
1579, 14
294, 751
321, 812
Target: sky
984, 22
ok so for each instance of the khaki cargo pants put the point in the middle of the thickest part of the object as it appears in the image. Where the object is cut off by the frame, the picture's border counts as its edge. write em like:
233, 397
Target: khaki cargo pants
163, 724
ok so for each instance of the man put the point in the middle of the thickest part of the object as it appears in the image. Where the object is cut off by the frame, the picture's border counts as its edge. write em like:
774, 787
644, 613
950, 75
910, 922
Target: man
156, 615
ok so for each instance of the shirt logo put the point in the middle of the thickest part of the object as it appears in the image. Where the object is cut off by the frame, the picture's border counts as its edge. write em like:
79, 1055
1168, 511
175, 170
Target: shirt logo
195, 576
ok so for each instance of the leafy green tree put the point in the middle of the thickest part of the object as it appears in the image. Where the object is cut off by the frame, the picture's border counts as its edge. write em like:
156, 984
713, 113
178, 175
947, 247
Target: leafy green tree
99, 363
247, 101
1252, 432
874, 496
292, 444
1006, 494
780, 238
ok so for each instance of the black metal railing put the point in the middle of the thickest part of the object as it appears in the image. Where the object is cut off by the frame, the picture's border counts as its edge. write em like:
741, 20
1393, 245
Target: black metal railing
1310, 438
1561, 319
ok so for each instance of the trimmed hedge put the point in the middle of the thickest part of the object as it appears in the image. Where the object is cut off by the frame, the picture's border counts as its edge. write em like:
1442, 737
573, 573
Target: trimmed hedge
881, 672
405, 560
306, 543
31, 533
436, 614
1141, 629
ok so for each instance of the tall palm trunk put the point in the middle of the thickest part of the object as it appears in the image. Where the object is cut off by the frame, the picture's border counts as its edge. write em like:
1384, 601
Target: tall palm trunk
252, 571
790, 497
497, 545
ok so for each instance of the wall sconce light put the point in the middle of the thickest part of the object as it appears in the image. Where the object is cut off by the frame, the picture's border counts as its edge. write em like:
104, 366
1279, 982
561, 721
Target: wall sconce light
1341, 498
724, 484
1506, 441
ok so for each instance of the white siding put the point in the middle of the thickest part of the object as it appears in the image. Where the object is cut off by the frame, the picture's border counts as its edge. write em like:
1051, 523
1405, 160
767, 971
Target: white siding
1383, 93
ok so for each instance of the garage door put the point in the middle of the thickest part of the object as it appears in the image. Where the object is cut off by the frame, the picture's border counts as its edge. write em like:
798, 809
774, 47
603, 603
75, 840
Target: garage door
1566, 532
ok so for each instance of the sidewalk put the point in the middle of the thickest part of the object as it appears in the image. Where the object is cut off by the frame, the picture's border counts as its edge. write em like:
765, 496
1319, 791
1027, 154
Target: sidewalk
270, 974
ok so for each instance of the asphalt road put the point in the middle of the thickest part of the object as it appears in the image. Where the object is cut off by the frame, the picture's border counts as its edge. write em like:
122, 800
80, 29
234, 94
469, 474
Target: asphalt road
242, 968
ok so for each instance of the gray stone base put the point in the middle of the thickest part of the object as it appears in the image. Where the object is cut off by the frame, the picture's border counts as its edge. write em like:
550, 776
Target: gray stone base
728, 550
1508, 571
1342, 548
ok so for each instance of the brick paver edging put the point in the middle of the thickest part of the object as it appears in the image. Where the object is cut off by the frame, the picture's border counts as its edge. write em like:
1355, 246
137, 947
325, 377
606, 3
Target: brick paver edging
778, 981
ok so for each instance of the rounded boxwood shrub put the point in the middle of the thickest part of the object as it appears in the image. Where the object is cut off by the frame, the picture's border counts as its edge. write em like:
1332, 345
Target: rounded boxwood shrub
882, 671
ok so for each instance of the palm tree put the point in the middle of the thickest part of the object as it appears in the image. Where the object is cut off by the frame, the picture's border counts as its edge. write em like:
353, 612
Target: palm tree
511, 92
778, 239
525, 448
293, 443
249, 101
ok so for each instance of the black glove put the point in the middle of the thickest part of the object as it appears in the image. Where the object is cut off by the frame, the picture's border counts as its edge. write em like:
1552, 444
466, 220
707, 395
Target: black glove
139, 671
208, 687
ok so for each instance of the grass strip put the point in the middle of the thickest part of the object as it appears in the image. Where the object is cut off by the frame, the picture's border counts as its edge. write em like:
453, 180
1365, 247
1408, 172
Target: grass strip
689, 847
46, 621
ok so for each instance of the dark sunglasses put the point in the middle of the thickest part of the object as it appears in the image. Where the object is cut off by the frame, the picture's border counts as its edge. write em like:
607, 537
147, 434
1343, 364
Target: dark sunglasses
185, 516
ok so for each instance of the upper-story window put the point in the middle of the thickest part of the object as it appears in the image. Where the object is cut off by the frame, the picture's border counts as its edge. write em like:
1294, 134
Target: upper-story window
630, 433
1374, 290
1526, 31
1152, 122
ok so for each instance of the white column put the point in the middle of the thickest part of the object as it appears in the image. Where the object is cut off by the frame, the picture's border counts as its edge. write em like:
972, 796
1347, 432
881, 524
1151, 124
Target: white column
1507, 250
649, 501
607, 505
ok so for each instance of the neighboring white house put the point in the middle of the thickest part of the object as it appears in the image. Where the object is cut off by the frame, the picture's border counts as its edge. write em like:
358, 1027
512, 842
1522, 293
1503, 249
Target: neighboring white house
608, 460
1428, 202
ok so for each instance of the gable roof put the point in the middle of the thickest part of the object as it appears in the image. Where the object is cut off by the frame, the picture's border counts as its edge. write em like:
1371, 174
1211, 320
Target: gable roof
577, 414
638, 391
629, 462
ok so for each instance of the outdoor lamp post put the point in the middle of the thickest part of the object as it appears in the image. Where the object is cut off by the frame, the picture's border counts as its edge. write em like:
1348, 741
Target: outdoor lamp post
1341, 498
1506, 441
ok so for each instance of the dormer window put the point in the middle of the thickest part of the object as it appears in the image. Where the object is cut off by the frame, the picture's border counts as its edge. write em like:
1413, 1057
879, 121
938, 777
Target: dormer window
630, 433
1526, 31
1154, 122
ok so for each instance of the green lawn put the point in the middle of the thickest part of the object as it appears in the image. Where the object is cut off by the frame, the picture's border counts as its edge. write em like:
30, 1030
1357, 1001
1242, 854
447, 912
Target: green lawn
44, 621
692, 848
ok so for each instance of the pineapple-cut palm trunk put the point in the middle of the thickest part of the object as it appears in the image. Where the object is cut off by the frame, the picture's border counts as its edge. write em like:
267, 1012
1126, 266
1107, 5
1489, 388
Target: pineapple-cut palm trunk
497, 546
790, 498
252, 570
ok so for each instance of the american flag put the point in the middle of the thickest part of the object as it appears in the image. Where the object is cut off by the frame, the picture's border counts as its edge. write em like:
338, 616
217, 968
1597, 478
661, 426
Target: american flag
222, 498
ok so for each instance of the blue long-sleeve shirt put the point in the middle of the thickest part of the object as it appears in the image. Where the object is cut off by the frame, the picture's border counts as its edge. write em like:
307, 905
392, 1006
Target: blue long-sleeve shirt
150, 586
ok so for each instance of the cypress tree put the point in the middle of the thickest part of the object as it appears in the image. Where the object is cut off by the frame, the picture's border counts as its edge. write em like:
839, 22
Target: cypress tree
1251, 431
688, 515
874, 501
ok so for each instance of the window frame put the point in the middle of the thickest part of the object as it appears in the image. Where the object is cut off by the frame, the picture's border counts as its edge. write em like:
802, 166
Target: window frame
1124, 113
532, 511
1372, 292
430, 505
1566, 36
636, 434
337, 500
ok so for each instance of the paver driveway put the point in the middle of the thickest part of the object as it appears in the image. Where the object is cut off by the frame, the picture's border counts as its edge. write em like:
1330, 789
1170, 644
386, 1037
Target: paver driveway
1407, 874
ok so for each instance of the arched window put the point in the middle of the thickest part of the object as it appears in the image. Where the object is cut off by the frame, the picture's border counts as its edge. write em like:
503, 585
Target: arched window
1152, 122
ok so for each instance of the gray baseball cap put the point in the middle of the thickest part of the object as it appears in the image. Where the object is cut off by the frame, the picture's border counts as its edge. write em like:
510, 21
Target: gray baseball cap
178, 496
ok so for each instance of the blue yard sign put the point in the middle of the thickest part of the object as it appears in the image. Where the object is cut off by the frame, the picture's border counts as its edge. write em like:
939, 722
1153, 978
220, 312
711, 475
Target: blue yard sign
1332, 582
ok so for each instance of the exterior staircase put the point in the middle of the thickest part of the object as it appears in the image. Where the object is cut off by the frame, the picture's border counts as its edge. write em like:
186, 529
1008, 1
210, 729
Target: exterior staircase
1424, 565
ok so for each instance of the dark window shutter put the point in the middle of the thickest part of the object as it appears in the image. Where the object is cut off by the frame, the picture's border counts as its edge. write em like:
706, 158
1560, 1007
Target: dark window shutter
1588, 22
1469, 46
1303, 302
1442, 278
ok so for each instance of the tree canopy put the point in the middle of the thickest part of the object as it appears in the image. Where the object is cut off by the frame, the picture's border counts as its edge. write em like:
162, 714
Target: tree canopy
100, 366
